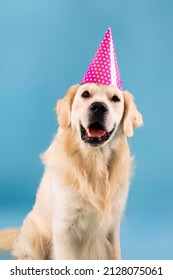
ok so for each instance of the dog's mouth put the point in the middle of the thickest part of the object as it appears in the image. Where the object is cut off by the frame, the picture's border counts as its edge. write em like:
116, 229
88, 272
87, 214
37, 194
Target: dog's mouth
95, 134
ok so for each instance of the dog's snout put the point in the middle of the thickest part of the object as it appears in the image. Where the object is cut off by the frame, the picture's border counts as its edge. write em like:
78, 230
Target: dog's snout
99, 107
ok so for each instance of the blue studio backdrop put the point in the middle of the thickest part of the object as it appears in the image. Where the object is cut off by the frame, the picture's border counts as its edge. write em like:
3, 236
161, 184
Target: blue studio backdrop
46, 46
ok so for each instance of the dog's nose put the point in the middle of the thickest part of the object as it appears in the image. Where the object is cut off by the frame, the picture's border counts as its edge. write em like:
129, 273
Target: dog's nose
99, 107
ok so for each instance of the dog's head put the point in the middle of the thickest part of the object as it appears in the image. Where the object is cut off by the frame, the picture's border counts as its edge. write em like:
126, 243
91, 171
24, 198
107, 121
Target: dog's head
97, 112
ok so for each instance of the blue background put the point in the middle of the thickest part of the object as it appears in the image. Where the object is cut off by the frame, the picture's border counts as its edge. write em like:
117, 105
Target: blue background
46, 46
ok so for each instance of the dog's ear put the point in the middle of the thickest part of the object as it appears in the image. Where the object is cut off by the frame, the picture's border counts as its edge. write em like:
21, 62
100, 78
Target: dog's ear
132, 117
63, 108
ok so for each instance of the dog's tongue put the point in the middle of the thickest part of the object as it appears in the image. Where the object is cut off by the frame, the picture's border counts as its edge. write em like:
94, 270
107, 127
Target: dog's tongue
95, 133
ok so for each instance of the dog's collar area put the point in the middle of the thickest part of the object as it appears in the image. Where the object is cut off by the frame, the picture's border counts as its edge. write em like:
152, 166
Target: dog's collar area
95, 134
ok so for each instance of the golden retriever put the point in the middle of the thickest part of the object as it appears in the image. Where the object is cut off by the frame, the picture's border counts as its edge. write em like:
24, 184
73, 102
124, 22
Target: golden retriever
83, 192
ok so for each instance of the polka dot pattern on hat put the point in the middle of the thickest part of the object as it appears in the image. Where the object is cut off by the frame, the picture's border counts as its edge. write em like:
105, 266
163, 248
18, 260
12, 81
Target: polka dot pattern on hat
104, 66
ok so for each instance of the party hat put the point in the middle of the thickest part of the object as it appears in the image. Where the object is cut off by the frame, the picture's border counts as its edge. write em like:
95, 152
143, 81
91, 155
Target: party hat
104, 66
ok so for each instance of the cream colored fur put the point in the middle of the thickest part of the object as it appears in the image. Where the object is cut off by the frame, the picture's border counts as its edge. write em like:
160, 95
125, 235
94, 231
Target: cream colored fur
83, 192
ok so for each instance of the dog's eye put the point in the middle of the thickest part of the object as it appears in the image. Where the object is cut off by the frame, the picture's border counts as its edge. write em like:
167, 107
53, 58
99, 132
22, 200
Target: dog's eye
115, 98
85, 94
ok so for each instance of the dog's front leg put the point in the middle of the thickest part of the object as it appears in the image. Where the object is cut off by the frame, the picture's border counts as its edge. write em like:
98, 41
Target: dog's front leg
62, 249
114, 238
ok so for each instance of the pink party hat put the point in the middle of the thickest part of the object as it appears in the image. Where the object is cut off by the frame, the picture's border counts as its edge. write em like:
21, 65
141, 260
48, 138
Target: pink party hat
104, 66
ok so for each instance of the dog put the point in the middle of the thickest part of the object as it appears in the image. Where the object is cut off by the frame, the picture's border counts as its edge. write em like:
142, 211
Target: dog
83, 192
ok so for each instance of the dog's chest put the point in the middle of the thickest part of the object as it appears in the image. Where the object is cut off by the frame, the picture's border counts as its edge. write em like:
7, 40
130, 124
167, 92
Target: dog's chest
84, 224
88, 235
77, 216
